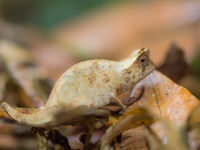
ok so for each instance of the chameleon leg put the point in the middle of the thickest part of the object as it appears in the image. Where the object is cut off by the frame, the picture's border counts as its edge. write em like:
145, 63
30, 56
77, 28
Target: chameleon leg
115, 96
101, 112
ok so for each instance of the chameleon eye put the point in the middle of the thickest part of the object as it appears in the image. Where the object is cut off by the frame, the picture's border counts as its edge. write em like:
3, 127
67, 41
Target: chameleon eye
142, 60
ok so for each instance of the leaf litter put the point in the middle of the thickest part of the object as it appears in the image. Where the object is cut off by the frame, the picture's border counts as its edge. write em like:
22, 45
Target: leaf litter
162, 115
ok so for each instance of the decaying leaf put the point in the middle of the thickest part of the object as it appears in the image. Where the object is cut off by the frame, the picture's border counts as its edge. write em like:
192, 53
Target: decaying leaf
192, 128
174, 66
25, 73
52, 135
192, 83
130, 119
3, 82
168, 125
166, 100
4, 114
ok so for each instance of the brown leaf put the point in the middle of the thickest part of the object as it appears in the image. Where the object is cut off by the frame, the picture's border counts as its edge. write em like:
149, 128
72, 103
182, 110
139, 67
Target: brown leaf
130, 119
4, 114
193, 128
25, 73
166, 100
3, 82
192, 83
174, 66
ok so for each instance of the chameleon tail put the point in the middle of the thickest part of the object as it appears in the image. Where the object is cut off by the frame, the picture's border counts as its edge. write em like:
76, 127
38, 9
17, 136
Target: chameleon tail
42, 118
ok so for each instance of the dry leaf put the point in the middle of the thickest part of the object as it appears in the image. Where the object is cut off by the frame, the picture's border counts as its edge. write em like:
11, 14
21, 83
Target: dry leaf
165, 99
174, 66
32, 80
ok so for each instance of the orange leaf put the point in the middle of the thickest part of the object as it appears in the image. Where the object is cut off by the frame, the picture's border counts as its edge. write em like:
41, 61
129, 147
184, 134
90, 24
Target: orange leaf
165, 99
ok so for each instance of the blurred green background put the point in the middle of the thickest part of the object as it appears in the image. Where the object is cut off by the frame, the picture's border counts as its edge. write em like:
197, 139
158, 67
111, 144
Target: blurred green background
46, 14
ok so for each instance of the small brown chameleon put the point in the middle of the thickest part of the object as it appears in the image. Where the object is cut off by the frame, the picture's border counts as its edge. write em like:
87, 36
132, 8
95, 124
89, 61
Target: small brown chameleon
85, 87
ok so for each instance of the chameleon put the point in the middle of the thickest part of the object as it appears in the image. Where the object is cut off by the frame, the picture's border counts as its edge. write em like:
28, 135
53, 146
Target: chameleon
86, 87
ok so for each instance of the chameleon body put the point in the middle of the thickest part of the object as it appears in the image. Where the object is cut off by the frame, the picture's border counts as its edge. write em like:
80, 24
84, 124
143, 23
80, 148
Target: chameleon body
85, 87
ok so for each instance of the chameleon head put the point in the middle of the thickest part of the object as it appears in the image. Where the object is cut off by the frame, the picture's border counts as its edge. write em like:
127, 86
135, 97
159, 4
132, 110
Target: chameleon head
136, 67
142, 64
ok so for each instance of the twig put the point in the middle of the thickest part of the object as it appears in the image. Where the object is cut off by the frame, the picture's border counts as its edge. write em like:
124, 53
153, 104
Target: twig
53, 135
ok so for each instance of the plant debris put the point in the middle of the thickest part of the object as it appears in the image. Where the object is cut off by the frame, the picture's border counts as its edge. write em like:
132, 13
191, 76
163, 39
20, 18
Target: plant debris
160, 115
